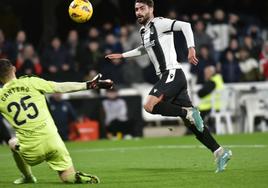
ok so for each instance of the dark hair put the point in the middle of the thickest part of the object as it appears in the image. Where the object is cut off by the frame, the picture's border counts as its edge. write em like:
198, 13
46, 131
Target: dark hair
5, 67
150, 3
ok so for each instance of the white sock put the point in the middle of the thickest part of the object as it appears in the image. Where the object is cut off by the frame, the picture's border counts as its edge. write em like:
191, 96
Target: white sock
218, 152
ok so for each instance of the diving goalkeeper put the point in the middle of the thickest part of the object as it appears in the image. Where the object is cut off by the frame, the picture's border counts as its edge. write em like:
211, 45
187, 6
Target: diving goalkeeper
23, 104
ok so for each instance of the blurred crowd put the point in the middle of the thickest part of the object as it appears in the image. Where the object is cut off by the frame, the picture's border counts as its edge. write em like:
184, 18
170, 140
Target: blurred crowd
235, 45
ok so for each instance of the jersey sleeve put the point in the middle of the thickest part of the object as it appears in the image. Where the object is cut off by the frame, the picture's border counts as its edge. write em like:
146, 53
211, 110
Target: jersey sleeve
167, 25
45, 86
187, 31
135, 52
42, 85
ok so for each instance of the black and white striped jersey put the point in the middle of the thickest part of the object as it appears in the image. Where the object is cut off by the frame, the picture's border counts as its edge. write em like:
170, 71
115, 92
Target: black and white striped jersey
158, 42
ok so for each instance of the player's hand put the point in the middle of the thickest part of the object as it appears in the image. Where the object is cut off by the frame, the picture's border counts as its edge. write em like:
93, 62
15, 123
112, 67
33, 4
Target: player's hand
114, 56
192, 56
96, 83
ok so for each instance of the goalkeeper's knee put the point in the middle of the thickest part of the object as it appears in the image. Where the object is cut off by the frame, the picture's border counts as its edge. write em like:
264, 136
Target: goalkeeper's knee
13, 144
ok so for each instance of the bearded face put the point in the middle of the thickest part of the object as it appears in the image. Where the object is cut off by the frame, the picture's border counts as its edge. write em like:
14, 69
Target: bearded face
143, 13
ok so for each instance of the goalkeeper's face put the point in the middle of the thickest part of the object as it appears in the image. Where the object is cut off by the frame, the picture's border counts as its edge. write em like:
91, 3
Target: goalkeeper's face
144, 13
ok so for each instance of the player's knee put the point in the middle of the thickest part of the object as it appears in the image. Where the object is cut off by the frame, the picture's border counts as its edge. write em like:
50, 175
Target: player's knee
148, 107
12, 143
151, 102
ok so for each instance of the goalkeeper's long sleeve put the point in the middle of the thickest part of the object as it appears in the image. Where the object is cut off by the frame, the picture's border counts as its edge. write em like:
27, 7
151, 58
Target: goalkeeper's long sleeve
66, 87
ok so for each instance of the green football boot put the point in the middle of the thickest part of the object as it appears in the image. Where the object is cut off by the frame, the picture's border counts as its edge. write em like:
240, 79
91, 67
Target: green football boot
86, 178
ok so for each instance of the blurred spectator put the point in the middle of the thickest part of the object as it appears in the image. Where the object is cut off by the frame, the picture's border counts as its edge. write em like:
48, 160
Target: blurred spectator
254, 32
20, 42
90, 58
233, 47
141, 64
205, 60
230, 68
235, 22
28, 61
112, 69
248, 66
112, 44
264, 60
63, 114
6, 50
252, 47
207, 18
132, 72
172, 14
56, 59
201, 37
213, 82
133, 41
195, 17
94, 35
107, 28
124, 36
72, 45
220, 32
185, 18
116, 116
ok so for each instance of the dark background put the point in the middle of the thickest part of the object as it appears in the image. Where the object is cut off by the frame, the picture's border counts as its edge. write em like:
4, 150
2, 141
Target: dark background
40, 18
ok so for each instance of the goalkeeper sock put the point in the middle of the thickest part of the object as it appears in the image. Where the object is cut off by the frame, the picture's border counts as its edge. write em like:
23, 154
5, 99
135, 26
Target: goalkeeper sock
70, 178
24, 168
168, 109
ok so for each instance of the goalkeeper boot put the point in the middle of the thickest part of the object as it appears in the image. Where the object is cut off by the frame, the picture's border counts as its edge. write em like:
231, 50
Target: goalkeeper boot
23, 180
86, 178
193, 115
222, 160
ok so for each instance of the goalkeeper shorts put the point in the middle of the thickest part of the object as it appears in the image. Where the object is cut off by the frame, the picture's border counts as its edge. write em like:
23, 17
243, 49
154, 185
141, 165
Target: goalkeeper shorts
52, 150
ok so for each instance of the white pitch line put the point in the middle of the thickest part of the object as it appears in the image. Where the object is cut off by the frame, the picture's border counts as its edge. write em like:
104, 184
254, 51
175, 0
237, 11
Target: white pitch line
123, 149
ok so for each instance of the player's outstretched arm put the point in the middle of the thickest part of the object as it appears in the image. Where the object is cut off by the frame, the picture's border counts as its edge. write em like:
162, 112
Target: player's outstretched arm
114, 56
132, 53
95, 83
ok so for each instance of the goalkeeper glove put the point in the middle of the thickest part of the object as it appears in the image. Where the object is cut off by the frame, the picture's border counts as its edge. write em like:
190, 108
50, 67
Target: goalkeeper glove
96, 83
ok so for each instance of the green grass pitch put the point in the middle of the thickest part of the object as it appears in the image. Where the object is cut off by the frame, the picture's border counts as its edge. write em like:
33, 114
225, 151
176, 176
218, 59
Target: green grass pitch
156, 163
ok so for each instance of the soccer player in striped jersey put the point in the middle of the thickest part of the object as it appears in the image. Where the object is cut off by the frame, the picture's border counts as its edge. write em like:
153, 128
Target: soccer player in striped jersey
169, 96
23, 104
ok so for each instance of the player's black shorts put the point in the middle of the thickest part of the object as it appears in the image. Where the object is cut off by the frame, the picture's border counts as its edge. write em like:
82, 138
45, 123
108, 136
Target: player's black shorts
173, 85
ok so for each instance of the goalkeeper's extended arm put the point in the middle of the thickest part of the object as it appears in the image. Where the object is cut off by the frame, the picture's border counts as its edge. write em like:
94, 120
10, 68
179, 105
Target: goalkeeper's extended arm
95, 83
